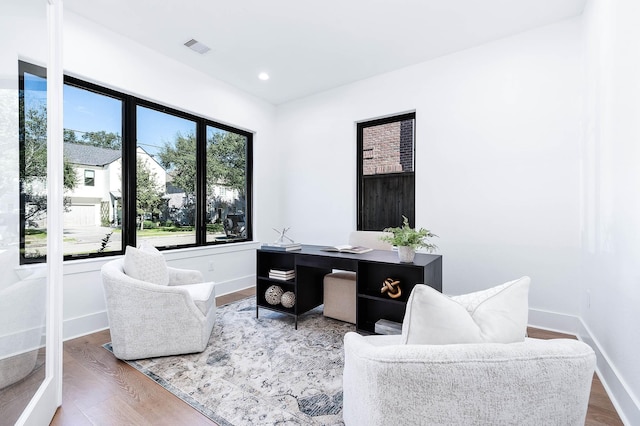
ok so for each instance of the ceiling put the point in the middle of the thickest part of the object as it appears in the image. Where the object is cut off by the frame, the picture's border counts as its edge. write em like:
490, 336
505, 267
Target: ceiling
311, 46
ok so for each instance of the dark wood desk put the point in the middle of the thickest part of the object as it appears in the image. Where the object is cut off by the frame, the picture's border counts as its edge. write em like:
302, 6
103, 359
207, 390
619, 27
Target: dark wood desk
311, 264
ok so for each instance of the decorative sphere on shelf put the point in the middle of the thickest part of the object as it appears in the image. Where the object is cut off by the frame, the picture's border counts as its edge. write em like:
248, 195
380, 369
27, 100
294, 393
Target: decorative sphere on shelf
288, 299
273, 295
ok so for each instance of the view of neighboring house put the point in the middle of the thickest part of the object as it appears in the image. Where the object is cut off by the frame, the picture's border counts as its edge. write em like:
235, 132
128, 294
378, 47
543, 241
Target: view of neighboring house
96, 199
98, 190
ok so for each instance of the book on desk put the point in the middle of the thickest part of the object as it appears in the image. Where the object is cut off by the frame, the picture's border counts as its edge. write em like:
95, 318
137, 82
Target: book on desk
345, 248
283, 247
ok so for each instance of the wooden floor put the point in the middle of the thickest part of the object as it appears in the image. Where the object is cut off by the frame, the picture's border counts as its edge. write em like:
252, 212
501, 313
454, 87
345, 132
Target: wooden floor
98, 389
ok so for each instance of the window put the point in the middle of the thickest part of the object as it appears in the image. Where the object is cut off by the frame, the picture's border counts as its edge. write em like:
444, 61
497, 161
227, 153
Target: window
165, 178
33, 162
92, 120
89, 177
386, 179
132, 172
226, 184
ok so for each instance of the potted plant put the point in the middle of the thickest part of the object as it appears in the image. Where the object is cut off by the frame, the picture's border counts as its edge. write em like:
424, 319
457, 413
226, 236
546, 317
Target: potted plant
408, 240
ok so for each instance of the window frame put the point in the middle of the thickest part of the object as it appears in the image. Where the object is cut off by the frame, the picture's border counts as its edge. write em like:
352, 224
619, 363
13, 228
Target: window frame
360, 157
129, 146
91, 178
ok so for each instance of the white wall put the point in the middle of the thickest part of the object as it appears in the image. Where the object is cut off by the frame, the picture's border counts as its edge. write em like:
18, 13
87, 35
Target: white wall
527, 162
611, 213
95, 54
497, 160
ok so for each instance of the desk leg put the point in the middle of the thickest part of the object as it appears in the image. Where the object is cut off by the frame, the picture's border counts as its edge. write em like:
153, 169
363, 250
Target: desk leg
296, 327
257, 310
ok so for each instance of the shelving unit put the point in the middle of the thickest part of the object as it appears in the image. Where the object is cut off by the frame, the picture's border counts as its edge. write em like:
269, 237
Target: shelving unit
306, 300
311, 264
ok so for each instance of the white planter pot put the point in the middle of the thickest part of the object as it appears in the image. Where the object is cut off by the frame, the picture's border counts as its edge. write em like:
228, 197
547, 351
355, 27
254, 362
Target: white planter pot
406, 254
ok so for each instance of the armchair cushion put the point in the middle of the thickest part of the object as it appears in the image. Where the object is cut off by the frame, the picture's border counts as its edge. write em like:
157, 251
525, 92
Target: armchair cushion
145, 265
178, 276
202, 294
496, 315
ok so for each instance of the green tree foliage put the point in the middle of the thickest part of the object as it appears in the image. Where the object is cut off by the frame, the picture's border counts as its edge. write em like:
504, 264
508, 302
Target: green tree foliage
102, 139
148, 193
179, 160
226, 161
35, 150
35, 146
70, 136
33, 173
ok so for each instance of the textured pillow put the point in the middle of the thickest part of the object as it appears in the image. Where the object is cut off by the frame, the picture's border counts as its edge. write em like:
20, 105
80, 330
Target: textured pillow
146, 265
149, 248
496, 315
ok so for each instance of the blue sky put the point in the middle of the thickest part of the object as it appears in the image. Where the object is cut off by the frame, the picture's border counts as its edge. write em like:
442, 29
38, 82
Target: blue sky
86, 111
155, 128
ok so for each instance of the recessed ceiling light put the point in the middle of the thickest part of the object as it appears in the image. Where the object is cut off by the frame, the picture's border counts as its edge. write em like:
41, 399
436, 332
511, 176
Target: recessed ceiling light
196, 46
263, 76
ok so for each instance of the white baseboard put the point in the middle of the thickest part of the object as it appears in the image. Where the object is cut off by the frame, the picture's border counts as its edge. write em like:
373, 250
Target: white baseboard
86, 324
553, 321
626, 404
237, 284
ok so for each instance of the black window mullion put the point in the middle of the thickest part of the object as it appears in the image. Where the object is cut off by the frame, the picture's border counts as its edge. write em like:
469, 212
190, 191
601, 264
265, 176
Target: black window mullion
201, 182
248, 214
129, 156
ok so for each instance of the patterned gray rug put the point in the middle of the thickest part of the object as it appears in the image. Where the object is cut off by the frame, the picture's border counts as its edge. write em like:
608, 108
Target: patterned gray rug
260, 371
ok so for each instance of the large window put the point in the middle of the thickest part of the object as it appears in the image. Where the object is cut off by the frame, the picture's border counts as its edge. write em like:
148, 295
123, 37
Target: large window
226, 187
93, 152
134, 170
33, 162
386, 178
165, 178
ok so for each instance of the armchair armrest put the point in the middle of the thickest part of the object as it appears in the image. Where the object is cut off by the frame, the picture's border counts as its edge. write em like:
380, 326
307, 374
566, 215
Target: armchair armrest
179, 276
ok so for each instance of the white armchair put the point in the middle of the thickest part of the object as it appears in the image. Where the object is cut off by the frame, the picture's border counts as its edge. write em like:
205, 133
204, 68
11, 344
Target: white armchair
534, 382
150, 320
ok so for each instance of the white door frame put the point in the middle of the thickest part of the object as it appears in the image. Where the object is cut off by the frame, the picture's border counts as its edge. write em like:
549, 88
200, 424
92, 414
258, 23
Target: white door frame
48, 398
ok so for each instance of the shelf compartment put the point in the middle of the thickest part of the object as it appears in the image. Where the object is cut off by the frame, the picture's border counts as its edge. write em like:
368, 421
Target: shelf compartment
372, 309
372, 275
274, 260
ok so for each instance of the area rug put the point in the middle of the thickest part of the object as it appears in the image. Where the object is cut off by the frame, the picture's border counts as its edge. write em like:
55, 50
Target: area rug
260, 371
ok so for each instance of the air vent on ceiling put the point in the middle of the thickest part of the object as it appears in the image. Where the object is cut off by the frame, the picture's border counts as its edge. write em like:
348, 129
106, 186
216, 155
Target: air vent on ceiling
196, 46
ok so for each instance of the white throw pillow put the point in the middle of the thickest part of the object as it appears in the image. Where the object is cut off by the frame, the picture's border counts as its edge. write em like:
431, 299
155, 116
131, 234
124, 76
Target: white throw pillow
149, 248
145, 265
496, 315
